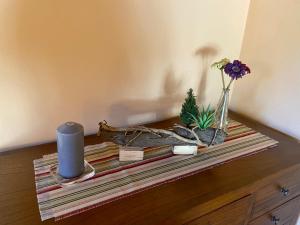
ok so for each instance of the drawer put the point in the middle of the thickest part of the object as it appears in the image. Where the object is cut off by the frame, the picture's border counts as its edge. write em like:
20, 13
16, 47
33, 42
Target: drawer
235, 213
276, 192
285, 214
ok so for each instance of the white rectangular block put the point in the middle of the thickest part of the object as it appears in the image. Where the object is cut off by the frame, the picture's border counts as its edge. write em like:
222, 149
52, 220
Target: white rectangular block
185, 150
131, 154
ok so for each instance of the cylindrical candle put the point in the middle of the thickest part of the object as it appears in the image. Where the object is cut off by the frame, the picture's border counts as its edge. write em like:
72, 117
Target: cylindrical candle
70, 146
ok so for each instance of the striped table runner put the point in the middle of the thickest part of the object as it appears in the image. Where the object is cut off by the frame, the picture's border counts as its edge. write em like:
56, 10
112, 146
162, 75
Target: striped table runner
114, 180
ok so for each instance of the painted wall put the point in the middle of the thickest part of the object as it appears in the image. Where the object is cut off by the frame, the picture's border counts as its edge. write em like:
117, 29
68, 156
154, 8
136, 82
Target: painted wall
126, 61
271, 47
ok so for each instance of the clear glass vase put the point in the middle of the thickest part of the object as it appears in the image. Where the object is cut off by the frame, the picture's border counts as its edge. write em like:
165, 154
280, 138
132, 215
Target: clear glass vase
221, 113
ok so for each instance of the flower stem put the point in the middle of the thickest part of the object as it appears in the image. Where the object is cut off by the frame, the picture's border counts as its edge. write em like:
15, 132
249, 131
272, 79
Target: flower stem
230, 83
223, 80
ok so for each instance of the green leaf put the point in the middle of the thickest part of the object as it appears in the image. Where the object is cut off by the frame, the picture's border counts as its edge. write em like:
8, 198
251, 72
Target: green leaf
208, 108
204, 117
200, 120
210, 116
207, 123
195, 119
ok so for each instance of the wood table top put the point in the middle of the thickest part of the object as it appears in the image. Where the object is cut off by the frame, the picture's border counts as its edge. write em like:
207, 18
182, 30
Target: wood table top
18, 203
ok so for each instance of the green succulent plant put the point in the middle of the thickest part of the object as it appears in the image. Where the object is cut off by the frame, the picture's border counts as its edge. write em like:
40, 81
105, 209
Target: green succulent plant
205, 119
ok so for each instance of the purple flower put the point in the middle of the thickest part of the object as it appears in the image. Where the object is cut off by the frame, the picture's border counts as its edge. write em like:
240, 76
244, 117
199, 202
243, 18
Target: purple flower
236, 69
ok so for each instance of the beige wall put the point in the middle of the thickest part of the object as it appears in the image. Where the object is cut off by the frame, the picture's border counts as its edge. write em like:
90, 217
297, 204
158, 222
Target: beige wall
271, 47
126, 61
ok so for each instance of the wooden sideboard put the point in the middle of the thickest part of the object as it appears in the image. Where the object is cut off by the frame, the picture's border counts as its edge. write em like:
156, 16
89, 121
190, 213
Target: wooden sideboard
261, 189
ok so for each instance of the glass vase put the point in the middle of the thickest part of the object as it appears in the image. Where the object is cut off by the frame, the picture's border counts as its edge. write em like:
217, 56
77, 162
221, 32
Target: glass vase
221, 113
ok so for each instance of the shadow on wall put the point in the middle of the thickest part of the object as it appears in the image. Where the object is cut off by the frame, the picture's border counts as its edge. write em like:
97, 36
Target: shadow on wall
67, 55
206, 55
81, 55
91, 61
146, 110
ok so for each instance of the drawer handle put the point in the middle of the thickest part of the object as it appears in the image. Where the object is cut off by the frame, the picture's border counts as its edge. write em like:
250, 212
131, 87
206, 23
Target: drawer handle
284, 191
275, 220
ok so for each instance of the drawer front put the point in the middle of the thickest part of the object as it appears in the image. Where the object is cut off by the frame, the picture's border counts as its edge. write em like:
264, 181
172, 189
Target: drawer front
277, 192
283, 215
236, 213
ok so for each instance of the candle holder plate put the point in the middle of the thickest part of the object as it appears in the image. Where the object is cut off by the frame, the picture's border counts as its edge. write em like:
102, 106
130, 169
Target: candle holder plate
89, 171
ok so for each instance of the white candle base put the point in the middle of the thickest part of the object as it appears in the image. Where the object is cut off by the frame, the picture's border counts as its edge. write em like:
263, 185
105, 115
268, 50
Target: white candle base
131, 154
185, 150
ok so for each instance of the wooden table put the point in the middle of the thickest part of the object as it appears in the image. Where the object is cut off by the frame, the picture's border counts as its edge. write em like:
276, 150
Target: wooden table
200, 199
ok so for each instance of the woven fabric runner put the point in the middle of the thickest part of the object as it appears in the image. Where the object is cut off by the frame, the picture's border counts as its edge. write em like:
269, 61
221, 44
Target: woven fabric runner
114, 180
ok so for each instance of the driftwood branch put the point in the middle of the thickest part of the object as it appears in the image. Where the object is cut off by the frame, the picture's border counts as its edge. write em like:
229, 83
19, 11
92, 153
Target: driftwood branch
156, 132
131, 140
188, 130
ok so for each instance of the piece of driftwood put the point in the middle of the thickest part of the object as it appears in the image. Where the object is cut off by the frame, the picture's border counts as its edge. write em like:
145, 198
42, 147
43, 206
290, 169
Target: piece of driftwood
205, 136
157, 132
141, 136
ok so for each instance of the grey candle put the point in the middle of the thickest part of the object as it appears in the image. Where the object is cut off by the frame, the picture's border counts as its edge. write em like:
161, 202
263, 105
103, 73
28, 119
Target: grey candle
70, 146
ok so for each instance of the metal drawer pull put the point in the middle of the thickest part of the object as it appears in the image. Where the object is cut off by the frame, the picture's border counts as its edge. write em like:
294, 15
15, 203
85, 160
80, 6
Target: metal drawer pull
284, 191
275, 220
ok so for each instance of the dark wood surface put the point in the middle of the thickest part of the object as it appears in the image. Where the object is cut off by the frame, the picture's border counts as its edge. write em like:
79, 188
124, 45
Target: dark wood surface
271, 194
236, 213
286, 214
173, 203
